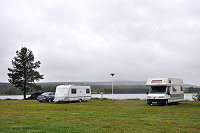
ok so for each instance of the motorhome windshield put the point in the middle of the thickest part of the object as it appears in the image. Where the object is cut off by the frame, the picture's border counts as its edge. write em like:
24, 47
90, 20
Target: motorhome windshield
157, 89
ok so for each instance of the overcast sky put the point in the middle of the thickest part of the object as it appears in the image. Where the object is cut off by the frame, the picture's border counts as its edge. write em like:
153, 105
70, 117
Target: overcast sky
86, 40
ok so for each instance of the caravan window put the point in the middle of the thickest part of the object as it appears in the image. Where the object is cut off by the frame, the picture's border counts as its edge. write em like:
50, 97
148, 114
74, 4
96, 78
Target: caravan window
73, 91
87, 90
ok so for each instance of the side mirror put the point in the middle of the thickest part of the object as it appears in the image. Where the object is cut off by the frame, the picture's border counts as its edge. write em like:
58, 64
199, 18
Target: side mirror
147, 93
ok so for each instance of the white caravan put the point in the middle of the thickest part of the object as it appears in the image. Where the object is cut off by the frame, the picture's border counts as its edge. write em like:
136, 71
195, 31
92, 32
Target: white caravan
72, 93
164, 91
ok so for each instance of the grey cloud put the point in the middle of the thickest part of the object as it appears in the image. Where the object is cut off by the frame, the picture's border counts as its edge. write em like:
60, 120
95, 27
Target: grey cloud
86, 41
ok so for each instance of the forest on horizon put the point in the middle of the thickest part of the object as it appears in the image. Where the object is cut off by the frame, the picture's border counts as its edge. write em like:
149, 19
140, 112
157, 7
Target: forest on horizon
127, 87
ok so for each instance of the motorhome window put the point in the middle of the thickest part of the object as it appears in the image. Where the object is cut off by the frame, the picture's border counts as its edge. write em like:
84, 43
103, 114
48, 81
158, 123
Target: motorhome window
87, 90
157, 89
73, 91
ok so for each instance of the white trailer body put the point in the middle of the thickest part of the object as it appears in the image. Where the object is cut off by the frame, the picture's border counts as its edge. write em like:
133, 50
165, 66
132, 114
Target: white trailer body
72, 93
164, 90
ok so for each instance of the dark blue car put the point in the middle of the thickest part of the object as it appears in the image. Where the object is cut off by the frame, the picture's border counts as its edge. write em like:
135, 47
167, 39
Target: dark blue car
46, 96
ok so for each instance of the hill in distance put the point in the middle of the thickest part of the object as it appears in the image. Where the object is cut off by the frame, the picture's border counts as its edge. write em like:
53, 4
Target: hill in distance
116, 83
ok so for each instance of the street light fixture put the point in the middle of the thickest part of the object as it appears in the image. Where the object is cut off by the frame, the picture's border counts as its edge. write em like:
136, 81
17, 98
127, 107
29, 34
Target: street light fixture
112, 74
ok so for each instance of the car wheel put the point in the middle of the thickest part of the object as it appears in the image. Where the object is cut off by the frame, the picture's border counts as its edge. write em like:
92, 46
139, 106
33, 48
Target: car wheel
49, 100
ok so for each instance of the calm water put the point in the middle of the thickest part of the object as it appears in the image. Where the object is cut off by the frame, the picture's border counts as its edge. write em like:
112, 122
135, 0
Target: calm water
133, 96
115, 96
13, 97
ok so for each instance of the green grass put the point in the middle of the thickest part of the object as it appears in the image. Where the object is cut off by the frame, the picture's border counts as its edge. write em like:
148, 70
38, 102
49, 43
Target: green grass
98, 116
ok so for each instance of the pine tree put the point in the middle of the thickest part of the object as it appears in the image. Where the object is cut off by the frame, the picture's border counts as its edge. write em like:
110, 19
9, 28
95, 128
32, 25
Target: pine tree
23, 74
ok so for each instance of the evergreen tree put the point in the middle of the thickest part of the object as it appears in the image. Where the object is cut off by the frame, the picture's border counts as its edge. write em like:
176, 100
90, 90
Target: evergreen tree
23, 74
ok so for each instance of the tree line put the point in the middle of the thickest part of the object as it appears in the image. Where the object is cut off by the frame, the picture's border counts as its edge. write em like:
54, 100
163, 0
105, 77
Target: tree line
192, 89
9, 89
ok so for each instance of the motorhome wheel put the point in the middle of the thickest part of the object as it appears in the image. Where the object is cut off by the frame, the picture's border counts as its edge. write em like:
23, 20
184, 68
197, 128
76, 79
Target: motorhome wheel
166, 103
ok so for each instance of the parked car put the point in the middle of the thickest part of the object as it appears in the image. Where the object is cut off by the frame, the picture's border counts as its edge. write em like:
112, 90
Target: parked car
46, 96
35, 95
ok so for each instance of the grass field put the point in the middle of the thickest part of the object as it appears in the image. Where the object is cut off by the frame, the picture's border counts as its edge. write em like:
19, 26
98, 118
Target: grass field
98, 116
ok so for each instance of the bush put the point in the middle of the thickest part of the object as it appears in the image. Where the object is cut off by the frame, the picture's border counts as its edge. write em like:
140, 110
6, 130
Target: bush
196, 97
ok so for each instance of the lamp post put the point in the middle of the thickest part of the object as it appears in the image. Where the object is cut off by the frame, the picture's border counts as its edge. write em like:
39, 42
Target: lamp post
112, 74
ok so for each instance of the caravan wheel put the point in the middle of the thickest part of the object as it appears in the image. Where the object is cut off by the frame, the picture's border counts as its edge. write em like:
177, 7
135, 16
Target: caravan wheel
80, 100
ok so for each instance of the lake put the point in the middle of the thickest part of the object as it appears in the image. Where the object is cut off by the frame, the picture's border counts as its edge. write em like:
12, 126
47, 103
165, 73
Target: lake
187, 96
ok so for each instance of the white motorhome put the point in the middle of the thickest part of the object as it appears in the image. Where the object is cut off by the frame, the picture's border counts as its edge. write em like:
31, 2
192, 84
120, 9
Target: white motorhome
164, 91
72, 93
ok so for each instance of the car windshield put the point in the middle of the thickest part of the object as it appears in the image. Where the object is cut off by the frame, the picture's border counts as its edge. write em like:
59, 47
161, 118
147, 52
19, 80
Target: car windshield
45, 93
157, 89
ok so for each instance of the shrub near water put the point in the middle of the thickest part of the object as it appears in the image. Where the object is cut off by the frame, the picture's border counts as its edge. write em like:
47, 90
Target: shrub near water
196, 96
98, 116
